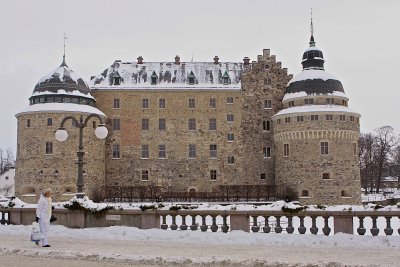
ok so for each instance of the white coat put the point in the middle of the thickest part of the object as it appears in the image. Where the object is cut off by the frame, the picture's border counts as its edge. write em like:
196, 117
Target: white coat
43, 212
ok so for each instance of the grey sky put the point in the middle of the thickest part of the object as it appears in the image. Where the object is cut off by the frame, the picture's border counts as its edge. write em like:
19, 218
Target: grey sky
360, 41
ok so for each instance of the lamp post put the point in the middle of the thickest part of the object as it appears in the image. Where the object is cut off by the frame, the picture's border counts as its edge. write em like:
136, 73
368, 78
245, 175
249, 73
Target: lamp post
62, 135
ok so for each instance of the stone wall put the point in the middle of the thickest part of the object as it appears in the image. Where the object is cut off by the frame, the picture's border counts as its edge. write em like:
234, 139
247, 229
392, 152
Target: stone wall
35, 170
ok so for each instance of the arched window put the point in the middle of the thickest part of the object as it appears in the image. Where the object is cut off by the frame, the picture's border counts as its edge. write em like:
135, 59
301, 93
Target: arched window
304, 193
231, 160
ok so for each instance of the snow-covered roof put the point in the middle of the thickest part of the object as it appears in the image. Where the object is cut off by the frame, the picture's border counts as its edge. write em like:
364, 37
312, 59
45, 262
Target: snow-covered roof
63, 92
169, 75
60, 107
312, 74
288, 96
316, 108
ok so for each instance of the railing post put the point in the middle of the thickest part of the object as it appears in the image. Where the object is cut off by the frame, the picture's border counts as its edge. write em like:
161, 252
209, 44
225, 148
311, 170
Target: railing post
214, 226
225, 227
266, 228
361, 230
173, 224
164, 224
183, 226
388, 230
374, 229
255, 228
204, 225
326, 230
240, 222
302, 229
194, 226
290, 228
278, 227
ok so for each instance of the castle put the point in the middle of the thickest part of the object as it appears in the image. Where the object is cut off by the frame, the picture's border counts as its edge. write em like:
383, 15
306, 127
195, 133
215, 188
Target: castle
192, 126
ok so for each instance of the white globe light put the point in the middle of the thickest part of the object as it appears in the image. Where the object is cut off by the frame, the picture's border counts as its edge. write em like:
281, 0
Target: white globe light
61, 135
101, 132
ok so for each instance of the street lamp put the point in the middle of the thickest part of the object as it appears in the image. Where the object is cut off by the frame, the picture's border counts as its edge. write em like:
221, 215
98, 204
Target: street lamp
62, 135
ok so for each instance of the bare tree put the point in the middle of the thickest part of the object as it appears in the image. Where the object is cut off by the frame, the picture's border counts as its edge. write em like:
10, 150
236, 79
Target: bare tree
366, 152
6, 190
396, 163
7, 160
385, 142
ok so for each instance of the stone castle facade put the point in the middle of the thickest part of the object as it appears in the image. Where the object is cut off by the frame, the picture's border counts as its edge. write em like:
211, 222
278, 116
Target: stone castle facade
192, 126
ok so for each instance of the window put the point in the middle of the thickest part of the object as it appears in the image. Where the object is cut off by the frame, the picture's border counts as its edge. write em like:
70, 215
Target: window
314, 117
116, 80
267, 81
213, 151
330, 101
28, 123
263, 176
328, 117
161, 103
145, 124
286, 150
231, 160
192, 103
115, 151
154, 78
161, 124
116, 103
145, 175
291, 103
324, 148
49, 121
267, 152
192, 125
191, 78
212, 124
229, 100
344, 103
192, 151
342, 117
304, 193
94, 124
213, 103
325, 176
145, 152
355, 149
308, 101
145, 103
278, 121
229, 117
287, 120
352, 118
267, 104
231, 137
162, 153
300, 118
213, 175
268, 128
116, 125
49, 148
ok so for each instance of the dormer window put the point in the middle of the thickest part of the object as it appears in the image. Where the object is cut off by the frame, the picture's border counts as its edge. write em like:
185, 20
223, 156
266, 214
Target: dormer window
154, 78
225, 78
116, 79
191, 78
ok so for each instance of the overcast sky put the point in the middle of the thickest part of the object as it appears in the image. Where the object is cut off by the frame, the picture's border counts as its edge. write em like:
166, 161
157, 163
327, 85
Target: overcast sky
360, 41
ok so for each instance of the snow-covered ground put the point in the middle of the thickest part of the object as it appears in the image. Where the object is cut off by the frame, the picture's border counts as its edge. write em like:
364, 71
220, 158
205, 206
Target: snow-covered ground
186, 248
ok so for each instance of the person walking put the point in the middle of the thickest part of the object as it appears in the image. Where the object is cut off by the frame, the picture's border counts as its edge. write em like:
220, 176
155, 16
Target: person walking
43, 215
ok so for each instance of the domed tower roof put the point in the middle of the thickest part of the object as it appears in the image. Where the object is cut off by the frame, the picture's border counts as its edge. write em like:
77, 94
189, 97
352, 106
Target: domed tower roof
62, 85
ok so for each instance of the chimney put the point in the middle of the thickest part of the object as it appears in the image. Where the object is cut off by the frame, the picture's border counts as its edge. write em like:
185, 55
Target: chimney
246, 61
266, 53
216, 58
177, 60
140, 60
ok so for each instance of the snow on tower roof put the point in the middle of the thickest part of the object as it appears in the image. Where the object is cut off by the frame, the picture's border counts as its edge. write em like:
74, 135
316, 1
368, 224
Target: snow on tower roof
311, 74
315, 108
60, 107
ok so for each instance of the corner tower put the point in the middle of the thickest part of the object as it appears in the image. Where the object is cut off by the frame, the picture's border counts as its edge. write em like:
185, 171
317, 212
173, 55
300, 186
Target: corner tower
41, 160
316, 136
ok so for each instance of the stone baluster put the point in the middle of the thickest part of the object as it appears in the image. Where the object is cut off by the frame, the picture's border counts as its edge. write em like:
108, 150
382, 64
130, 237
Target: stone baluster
204, 225
326, 230
224, 227
388, 230
267, 228
278, 227
255, 228
183, 225
214, 226
164, 224
314, 229
290, 228
174, 226
194, 225
374, 229
302, 229
361, 230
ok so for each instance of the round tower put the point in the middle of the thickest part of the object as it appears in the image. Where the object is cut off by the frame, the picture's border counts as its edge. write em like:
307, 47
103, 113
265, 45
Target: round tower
44, 162
316, 137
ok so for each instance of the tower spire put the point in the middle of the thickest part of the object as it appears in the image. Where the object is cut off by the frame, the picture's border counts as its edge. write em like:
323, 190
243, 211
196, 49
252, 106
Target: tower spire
64, 63
312, 42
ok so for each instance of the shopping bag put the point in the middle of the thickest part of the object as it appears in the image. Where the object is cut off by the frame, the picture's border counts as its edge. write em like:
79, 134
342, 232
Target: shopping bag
35, 235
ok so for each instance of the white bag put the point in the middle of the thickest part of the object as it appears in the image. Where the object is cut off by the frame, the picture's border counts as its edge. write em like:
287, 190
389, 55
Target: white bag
35, 235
